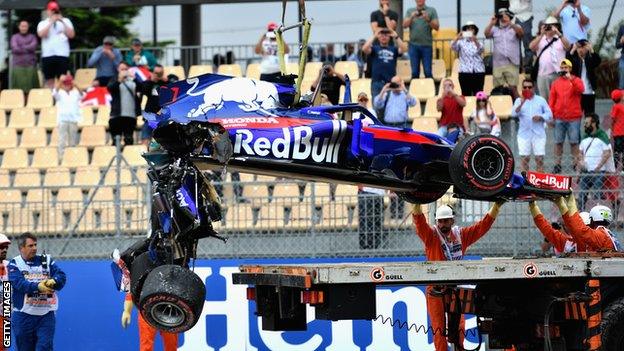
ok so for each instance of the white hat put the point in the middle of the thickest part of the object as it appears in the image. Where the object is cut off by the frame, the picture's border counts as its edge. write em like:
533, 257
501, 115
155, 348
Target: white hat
551, 20
444, 212
585, 217
601, 213
4, 239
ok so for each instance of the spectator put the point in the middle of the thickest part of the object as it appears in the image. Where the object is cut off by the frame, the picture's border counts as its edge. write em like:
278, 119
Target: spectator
451, 105
267, 47
67, 97
55, 32
617, 129
483, 116
532, 112
330, 86
524, 18
357, 57
24, 71
105, 58
349, 54
550, 48
575, 20
138, 56
230, 58
362, 100
35, 280
584, 64
421, 20
217, 60
384, 58
471, 66
619, 43
125, 105
595, 158
371, 217
147, 333
565, 103
383, 17
327, 55
150, 89
394, 100
506, 52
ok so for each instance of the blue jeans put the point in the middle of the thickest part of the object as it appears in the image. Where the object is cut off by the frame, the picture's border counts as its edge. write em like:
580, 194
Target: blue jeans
570, 128
32, 333
418, 53
622, 72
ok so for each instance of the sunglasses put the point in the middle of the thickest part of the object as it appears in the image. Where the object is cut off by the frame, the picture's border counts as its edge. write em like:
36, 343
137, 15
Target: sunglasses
527, 88
481, 100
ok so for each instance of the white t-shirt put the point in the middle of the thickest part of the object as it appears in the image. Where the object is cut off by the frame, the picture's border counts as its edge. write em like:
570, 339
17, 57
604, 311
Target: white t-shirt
270, 60
592, 149
56, 43
585, 78
67, 105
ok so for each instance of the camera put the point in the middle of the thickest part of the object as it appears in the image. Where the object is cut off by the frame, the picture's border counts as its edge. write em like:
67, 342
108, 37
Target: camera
393, 85
56, 12
467, 34
548, 27
419, 13
562, 73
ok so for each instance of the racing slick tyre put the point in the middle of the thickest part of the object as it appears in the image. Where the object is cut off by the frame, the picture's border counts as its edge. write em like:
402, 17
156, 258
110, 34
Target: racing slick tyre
481, 166
172, 298
612, 325
141, 266
424, 196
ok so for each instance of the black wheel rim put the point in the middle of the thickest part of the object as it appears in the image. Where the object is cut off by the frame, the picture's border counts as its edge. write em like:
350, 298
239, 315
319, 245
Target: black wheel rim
167, 314
488, 163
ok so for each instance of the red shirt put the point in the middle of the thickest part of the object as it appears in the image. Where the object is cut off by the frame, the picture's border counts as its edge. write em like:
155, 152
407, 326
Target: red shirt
565, 98
452, 112
617, 115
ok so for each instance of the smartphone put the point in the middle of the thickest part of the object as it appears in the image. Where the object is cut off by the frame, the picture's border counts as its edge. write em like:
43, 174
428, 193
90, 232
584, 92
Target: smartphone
467, 34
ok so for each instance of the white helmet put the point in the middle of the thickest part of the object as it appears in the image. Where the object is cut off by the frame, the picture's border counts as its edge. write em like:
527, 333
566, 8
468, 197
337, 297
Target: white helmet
444, 212
601, 213
585, 216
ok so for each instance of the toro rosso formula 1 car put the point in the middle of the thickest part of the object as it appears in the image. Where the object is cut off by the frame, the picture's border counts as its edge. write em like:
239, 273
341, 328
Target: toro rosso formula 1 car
213, 121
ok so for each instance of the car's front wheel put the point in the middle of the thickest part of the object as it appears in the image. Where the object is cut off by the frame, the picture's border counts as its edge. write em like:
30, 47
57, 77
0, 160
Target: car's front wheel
481, 166
172, 298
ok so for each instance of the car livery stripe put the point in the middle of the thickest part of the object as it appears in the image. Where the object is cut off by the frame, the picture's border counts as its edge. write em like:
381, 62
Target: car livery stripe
398, 135
263, 122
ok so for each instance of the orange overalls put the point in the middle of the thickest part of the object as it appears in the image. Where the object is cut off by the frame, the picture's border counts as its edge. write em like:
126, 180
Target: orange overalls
562, 242
147, 335
598, 239
435, 251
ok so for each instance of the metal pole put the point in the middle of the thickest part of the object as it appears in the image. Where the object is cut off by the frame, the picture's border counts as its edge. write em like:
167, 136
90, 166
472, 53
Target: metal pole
459, 22
118, 186
154, 26
300, 20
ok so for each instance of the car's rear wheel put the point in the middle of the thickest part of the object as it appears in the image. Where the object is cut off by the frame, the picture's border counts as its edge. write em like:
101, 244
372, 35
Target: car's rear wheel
141, 267
172, 298
481, 166
425, 195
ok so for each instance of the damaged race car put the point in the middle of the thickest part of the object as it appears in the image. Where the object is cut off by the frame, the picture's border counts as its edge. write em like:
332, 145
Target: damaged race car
213, 121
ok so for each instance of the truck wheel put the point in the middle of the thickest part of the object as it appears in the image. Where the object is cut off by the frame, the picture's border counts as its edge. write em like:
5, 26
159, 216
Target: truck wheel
612, 326
140, 268
424, 196
172, 298
481, 166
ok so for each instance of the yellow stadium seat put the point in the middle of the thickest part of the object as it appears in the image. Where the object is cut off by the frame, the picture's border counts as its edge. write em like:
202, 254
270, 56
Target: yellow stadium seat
312, 70
442, 45
359, 86
11, 196
256, 192
45, 157
57, 177
8, 138
3, 117
422, 89
15, 158
27, 178
132, 154
11, 98
348, 67
125, 176
502, 104
471, 105
102, 155
414, 112
86, 114
84, 77
87, 176
425, 124
92, 136
457, 88
488, 84
455, 69
54, 137
33, 138
104, 193
289, 192
431, 108
271, 217
177, 70
47, 118
239, 217
292, 68
5, 179
198, 70
21, 118
103, 114
74, 157
438, 69
404, 70
131, 193
253, 71
233, 70
40, 98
